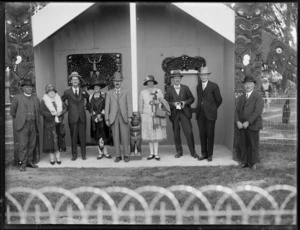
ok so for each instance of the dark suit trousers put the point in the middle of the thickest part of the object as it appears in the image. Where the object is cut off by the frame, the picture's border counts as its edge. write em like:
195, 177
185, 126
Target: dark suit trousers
75, 129
207, 134
27, 142
249, 144
180, 117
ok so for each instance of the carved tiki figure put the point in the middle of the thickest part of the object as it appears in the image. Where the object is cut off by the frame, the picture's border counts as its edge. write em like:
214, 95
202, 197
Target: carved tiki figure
135, 134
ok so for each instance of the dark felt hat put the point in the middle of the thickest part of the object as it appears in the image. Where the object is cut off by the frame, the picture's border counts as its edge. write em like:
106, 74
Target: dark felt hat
249, 79
26, 81
150, 78
97, 82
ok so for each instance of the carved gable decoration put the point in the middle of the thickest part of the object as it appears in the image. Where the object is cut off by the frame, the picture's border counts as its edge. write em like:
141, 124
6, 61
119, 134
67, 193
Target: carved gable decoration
183, 62
95, 66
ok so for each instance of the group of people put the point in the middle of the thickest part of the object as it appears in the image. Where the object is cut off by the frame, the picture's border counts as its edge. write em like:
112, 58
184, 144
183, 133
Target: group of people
111, 116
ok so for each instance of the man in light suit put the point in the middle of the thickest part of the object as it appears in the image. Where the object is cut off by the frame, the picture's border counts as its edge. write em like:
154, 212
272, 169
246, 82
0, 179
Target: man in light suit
249, 121
76, 114
118, 114
25, 112
180, 99
209, 100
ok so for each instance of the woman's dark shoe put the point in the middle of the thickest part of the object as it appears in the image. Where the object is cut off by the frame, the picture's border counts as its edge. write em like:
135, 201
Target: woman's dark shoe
52, 162
150, 157
118, 159
99, 157
107, 155
58, 162
157, 158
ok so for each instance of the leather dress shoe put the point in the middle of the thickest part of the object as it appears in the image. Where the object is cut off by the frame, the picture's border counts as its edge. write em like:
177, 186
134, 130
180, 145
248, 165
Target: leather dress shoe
195, 156
118, 159
126, 158
74, 158
157, 158
52, 162
22, 168
178, 155
202, 158
31, 165
84, 158
58, 162
209, 159
244, 165
99, 156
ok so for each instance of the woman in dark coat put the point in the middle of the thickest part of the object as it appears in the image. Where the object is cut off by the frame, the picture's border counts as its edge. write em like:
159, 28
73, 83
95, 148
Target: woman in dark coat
100, 132
52, 109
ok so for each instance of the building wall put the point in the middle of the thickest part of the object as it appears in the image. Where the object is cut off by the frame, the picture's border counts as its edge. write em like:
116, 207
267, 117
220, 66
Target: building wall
163, 30
44, 71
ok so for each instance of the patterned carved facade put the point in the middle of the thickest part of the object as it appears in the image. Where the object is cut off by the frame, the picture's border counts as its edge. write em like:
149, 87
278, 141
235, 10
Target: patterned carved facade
248, 31
183, 62
19, 56
96, 66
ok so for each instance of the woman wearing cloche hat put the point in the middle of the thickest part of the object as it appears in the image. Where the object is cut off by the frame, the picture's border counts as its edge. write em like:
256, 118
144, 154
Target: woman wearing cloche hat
52, 109
153, 128
100, 132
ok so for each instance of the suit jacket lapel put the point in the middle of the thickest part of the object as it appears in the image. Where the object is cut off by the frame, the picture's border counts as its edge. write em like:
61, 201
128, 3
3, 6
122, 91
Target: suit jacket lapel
72, 94
181, 92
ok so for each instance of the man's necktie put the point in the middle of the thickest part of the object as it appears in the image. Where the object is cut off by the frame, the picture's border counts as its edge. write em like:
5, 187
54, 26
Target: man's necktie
76, 92
247, 96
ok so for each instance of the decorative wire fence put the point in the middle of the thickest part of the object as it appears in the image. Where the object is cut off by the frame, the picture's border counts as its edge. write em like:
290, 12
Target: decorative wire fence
179, 204
279, 121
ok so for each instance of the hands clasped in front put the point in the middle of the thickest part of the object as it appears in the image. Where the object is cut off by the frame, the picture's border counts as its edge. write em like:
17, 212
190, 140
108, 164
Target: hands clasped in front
241, 125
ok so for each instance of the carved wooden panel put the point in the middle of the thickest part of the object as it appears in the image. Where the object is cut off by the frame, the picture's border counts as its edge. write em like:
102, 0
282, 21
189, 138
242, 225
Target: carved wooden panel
183, 62
95, 66
19, 48
248, 30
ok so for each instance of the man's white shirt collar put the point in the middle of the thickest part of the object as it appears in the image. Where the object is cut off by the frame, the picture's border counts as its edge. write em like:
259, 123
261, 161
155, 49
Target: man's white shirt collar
248, 94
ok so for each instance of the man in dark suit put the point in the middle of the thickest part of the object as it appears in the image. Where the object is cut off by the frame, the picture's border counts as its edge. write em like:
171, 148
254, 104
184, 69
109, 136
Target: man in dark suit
180, 99
249, 121
76, 113
209, 100
25, 112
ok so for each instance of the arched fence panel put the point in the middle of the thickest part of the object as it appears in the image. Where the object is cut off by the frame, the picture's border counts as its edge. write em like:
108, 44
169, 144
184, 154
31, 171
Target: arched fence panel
178, 204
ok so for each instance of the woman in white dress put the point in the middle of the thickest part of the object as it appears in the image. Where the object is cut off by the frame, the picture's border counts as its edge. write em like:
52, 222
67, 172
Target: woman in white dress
153, 128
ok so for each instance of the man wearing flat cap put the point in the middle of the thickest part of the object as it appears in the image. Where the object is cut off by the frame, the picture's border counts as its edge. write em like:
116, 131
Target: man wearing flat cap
75, 96
25, 112
249, 121
180, 99
209, 100
118, 114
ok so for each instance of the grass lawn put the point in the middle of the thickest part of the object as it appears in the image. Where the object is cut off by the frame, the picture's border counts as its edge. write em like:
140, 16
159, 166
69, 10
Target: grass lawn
277, 166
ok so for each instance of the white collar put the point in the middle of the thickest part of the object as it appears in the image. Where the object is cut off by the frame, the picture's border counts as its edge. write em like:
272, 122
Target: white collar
73, 88
27, 95
177, 86
204, 83
249, 93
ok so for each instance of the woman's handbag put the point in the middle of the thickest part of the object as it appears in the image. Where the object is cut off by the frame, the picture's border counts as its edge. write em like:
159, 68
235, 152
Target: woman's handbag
161, 113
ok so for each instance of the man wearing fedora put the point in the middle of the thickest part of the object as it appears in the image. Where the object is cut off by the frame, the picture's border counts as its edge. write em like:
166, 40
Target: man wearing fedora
249, 121
180, 99
25, 112
209, 100
118, 114
75, 96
